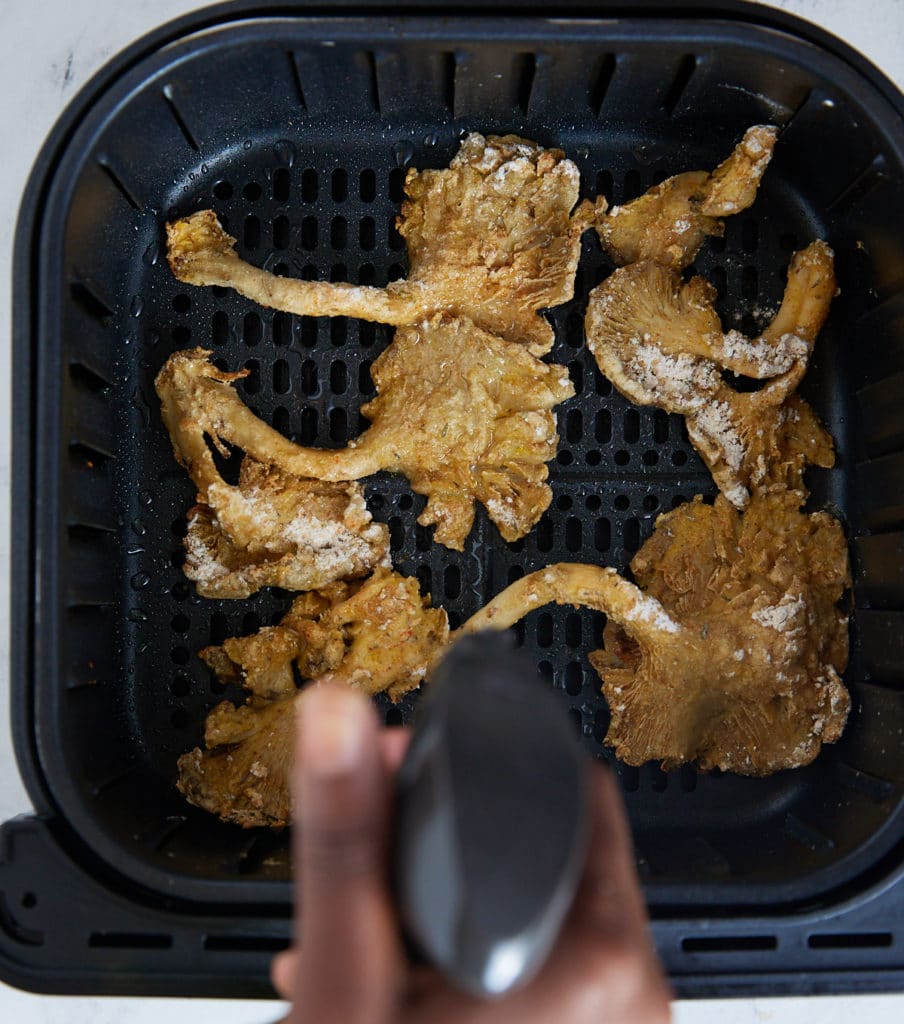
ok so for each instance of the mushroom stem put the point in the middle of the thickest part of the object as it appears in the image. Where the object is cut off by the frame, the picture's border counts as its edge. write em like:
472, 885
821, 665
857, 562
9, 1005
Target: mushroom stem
808, 294
200, 252
733, 185
198, 399
602, 589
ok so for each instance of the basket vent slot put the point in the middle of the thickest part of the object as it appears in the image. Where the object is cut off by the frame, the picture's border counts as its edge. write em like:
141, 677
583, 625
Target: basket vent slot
246, 943
88, 299
851, 940
526, 73
860, 186
120, 186
448, 63
676, 90
728, 943
87, 379
179, 119
875, 788
807, 835
86, 455
129, 940
374, 62
296, 78
600, 84
112, 780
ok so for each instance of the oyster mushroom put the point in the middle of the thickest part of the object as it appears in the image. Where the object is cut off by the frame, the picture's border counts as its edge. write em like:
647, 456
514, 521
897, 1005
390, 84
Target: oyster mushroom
463, 414
242, 774
752, 684
378, 636
491, 238
278, 530
661, 343
670, 222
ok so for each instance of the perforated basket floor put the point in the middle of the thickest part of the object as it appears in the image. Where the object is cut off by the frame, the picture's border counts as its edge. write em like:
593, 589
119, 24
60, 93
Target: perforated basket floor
298, 133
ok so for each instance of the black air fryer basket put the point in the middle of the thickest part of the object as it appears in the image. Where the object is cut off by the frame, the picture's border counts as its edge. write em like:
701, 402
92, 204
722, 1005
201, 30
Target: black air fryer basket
296, 124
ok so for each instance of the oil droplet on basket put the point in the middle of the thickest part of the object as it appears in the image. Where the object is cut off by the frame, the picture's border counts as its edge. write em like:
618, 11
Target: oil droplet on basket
285, 152
137, 615
138, 528
404, 153
431, 139
146, 498
246, 144
191, 175
151, 254
136, 306
204, 169
644, 153
140, 580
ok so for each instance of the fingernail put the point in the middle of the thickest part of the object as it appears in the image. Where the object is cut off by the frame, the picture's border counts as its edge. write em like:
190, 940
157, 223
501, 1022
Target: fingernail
333, 724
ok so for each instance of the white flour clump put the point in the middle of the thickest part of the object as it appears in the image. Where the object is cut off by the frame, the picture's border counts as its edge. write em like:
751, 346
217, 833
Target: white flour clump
519, 164
770, 359
204, 567
715, 422
683, 380
502, 512
782, 617
333, 548
648, 610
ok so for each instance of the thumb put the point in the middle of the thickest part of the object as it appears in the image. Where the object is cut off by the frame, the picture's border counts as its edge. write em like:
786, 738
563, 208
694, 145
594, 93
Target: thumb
349, 959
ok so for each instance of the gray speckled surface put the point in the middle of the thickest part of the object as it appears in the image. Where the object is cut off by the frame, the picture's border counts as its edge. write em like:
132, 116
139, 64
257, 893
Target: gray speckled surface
50, 50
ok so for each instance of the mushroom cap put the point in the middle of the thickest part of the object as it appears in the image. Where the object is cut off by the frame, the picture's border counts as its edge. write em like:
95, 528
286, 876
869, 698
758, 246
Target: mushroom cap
243, 775
752, 683
279, 530
669, 222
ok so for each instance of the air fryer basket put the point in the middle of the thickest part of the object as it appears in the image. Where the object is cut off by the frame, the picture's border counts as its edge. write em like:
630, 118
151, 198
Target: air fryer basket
297, 131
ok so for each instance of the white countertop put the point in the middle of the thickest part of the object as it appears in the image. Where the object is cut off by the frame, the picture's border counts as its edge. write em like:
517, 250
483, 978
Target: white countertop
50, 49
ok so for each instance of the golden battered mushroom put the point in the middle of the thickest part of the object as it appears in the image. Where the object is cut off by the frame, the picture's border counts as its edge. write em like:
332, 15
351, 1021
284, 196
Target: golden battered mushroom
730, 650
660, 342
378, 636
274, 529
277, 530
463, 414
490, 238
577, 584
262, 663
754, 684
670, 221
242, 774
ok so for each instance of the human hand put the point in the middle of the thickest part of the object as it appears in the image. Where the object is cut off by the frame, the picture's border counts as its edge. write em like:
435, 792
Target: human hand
348, 965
